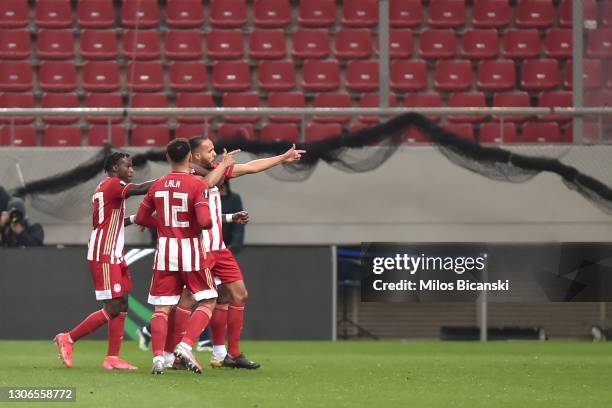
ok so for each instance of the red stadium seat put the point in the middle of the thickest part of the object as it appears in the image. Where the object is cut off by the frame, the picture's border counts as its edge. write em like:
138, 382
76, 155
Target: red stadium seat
286, 100
140, 14
405, 13
424, 100
320, 76
229, 131
592, 132
553, 100
541, 132
371, 100
148, 100
53, 14
438, 43
184, 44
17, 100
280, 132
589, 12
95, 14
600, 97
15, 44
332, 100
558, 43
464, 130
534, 13
362, 75
98, 44
60, 100
467, 100
145, 76
519, 44
104, 100
408, 75
491, 13
321, 131
495, 132
607, 14
194, 100
308, 43
447, 13
267, 44
231, 76
360, 13
512, 100
480, 44
18, 136
353, 43
241, 100
401, 43
415, 136
453, 75
153, 136
184, 13
14, 13
599, 43
591, 74
188, 76
225, 44
496, 75
15, 76
272, 13
62, 136
55, 44
141, 44
317, 13
99, 135
276, 75
56, 76
189, 131
101, 76
540, 75
228, 13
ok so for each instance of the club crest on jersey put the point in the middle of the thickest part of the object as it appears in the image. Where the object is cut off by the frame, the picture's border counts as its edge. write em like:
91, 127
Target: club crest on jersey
117, 287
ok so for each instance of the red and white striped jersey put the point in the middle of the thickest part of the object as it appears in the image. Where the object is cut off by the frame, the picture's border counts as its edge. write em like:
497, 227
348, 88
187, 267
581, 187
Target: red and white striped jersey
213, 238
175, 198
108, 204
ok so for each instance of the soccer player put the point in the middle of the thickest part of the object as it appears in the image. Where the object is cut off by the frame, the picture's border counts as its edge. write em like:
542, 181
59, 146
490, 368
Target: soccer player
109, 271
229, 311
180, 202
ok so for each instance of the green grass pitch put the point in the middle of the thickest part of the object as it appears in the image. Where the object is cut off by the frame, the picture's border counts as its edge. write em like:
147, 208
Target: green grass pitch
326, 374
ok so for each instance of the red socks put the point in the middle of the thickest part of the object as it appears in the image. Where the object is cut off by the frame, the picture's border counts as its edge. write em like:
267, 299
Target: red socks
90, 324
218, 324
159, 331
115, 334
176, 330
197, 323
235, 318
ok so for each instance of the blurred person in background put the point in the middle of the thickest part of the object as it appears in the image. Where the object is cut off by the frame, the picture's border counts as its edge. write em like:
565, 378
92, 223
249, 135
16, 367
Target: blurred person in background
15, 227
233, 232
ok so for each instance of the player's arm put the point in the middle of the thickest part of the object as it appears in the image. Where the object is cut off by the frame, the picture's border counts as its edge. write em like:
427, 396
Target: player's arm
139, 189
240, 217
144, 216
259, 165
201, 207
214, 177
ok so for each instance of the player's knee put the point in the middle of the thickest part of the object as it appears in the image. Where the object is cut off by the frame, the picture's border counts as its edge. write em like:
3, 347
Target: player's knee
113, 308
241, 297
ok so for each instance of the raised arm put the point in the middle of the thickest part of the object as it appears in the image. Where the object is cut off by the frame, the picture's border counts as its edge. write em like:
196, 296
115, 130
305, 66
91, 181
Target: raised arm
214, 177
140, 189
259, 165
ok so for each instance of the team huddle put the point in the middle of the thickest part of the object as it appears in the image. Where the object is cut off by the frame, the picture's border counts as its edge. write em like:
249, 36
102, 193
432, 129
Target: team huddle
196, 280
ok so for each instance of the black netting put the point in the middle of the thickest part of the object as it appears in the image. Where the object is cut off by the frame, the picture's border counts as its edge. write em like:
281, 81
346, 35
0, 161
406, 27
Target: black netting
365, 150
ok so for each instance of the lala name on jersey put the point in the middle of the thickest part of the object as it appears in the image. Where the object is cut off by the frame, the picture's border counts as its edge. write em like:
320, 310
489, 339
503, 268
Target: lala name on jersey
173, 183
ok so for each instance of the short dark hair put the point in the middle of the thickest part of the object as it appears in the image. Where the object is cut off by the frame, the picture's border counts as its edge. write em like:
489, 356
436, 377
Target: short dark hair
196, 141
114, 159
178, 150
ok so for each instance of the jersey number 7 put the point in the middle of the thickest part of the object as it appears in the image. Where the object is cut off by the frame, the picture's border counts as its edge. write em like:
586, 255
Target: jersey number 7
171, 213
